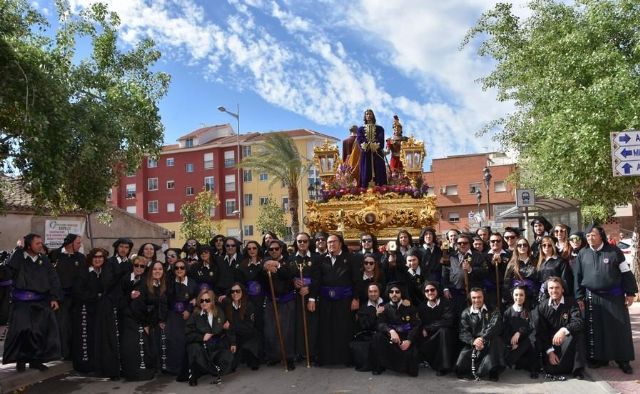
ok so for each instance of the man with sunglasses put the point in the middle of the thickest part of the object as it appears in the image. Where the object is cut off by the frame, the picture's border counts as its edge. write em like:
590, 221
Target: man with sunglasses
321, 243
394, 345
497, 259
436, 337
369, 244
191, 248
431, 254
510, 236
228, 265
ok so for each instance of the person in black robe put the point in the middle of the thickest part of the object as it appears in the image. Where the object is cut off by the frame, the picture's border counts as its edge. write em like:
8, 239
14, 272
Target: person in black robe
121, 249
413, 277
431, 255
136, 356
366, 327
370, 272
517, 330
217, 245
550, 264
436, 337
241, 315
33, 335
480, 330
182, 292
5, 289
605, 288
204, 271
250, 275
338, 302
395, 342
540, 227
171, 257
522, 271
208, 342
69, 264
404, 243
497, 261
577, 241
560, 333
228, 266
149, 251
369, 245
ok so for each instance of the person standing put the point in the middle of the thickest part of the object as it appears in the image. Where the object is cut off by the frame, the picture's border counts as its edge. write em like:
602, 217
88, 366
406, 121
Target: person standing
370, 138
605, 288
33, 335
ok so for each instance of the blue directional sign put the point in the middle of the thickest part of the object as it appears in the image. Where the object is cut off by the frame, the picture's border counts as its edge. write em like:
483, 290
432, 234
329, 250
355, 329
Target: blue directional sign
625, 153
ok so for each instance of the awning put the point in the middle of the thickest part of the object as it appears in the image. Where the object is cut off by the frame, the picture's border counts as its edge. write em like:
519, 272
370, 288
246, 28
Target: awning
542, 205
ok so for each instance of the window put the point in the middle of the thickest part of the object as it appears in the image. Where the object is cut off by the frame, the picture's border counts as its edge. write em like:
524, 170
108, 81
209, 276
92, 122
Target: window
131, 190
152, 206
451, 190
170, 162
171, 184
264, 200
499, 186
229, 183
285, 204
188, 167
230, 206
188, 143
264, 176
246, 151
212, 211
248, 200
189, 191
248, 230
209, 183
131, 209
247, 176
152, 184
229, 158
208, 161
431, 191
171, 207
109, 195
454, 217
474, 187
313, 176
152, 163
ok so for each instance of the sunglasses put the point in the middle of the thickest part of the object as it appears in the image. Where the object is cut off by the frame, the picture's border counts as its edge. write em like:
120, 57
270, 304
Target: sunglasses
302, 241
394, 291
140, 266
219, 240
321, 239
173, 256
179, 267
252, 248
463, 243
523, 245
236, 291
367, 240
495, 241
230, 246
430, 290
98, 256
546, 245
191, 244
561, 230
509, 236
369, 263
205, 300
273, 249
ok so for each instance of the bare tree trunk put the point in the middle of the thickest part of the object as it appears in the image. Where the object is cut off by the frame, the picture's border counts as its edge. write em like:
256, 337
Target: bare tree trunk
293, 208
636, 232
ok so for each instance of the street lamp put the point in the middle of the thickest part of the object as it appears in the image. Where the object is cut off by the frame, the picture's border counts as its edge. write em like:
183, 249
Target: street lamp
479, 200
237, 116
486, 175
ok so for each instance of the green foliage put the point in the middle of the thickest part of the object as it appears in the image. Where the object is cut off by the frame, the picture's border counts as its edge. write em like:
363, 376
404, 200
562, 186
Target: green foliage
271, 218
68, 126
573, 73
596, 213
196, 217
279, 157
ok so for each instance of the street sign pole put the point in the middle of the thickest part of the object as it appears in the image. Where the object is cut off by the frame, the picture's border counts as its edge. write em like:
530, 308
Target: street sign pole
625, 153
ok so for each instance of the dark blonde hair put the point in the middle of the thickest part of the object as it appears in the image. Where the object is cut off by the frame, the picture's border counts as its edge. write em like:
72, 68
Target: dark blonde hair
514, 263
163, 282
542, 257
212, 296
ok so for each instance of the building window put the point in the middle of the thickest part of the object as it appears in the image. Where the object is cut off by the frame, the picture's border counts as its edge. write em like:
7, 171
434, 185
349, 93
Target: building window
246, 151
264, 200
189, 191
109, 195
247, 176
229, 159
230, 206
170, 162
454, 217
264, 176
450, 190
152, 206
285, 204
171, 207
229, 183
131, 209
188, 143
188, 167
209, 183
152, 184
474, 188
208, 161
248, 230
431, 191
171, 184
152, 163
131, 190
248, 200
313, 176
499, 186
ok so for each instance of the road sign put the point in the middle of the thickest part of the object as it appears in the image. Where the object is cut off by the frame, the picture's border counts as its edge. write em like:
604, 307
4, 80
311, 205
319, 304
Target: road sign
525, 198
625, 153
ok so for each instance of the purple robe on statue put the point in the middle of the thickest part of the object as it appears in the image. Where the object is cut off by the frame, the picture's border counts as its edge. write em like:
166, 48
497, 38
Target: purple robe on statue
378, 159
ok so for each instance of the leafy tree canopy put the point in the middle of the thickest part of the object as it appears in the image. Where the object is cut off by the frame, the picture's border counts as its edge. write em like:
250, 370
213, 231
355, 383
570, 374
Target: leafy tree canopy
196, 217
271, 218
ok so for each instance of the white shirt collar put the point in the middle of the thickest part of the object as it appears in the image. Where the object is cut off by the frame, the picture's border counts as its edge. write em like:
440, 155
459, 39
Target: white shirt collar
132, 276
232, 258
186, 280
517, 308
599, 249
555, 306
474, 310
308, 254
379, 302
121, 259
416, 272
365, 277
432, 305
33, 258
235, 306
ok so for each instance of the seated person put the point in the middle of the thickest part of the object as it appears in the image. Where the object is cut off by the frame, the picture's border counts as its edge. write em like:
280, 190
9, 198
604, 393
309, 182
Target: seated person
480, 329
393, 343
436, 337
366, 326
559, 333
517, 328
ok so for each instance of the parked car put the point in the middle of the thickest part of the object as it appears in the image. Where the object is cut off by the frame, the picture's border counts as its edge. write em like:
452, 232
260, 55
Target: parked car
626, 245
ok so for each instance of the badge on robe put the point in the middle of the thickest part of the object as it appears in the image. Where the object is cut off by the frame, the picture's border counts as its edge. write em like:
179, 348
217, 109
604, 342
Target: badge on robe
565, 317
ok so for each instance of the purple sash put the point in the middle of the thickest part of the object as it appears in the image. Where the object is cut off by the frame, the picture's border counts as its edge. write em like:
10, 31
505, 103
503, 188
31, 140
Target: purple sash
401, 327
488, 284
5, 283
179, 306
615, 292
306, 280
204, 286
254, 288
336, 293
283, 299
26, 295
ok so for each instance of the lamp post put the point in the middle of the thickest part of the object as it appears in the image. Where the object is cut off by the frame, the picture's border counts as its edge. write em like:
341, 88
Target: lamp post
479, 200
237, 116
486, 175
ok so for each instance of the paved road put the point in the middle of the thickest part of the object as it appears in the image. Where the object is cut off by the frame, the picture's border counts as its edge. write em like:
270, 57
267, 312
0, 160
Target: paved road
322, 380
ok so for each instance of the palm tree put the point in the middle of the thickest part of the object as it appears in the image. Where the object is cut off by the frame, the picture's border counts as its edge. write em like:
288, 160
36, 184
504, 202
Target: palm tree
279, 157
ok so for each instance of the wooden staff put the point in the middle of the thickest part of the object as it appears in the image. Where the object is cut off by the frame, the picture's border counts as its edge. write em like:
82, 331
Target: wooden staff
496, 260
277, 317
304, 320
466, 277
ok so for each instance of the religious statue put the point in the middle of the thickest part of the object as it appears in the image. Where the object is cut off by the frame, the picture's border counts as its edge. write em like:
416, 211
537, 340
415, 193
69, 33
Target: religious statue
370, 138
394, 145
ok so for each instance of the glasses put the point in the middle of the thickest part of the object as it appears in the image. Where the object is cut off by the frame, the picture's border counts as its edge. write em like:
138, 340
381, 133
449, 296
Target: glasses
139, 266
321, 239
509, 236
219, 240
98, 256
430, 290
560, 230
180, 268
367, 240
173, 256
546, 245
302, 241
495, 241
252, 248
523, 245
236, 291
205, 300
575, 239
273, 249
191, 243
463, 243
369, 262
230, 246
394, 291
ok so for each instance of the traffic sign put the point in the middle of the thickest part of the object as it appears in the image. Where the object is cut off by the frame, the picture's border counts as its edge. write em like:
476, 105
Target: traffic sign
625, 153
525, 198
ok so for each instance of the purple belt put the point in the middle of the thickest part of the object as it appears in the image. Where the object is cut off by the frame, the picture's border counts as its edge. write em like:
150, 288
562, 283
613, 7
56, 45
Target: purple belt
306, 280
488, 284
523, 282
283, 299
336, 293
401, 327
5, 283
204, 286
615, 292
26, 295
179, 306
254, 288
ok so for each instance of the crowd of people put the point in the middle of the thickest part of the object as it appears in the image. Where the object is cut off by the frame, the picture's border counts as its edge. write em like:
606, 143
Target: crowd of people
468, 304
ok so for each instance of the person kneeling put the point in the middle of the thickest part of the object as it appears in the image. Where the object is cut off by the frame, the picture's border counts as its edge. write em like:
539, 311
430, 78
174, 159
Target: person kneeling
517, 327
437, 335
398, 327
480, 329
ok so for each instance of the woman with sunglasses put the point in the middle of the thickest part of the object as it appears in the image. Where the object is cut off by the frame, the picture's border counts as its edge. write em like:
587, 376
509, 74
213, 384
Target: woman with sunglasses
371, 272
182, 292
577, 241
240, 313
550, 264
217, 243
250, 274
561, 232
228, 266
171, 256
437, 336
522, 271
208, 345
205, 272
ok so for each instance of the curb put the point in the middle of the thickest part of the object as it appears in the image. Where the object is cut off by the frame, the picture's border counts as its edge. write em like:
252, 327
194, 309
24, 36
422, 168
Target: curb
10, 380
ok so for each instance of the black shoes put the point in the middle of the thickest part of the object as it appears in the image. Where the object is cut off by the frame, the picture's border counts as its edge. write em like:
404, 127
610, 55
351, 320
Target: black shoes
595, 364
377, 371
442, 372
578, 374
39, 366
494, 376
533, 374
625, 367
193, 380
216, 380
291, 365
21, 366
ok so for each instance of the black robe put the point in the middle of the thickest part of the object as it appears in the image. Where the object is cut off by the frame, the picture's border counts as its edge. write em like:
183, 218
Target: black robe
227, 273
413, 282
152, 309
136, 356
180, 297
366, 327
206, 276
555, 267
251, 276
214, 356
437, 336
602, 279
572, 350
524, 355
488, 325
244, 334
489, 282
430, 260
527, 276
282, 281
311, 278
453, 279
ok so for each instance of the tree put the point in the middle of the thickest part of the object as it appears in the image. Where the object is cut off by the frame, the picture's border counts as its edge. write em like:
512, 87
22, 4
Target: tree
196, 217
271, 218
279, 157
68, 126
573, 73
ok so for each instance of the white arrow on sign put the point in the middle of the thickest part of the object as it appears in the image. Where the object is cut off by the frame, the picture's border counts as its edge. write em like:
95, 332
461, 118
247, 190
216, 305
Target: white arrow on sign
625, 138
628, 168
627, 152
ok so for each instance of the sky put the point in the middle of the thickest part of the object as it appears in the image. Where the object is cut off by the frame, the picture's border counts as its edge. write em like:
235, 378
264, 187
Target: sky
319, 64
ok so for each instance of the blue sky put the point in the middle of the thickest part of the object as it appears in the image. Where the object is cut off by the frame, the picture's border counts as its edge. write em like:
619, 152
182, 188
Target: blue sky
318, 65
